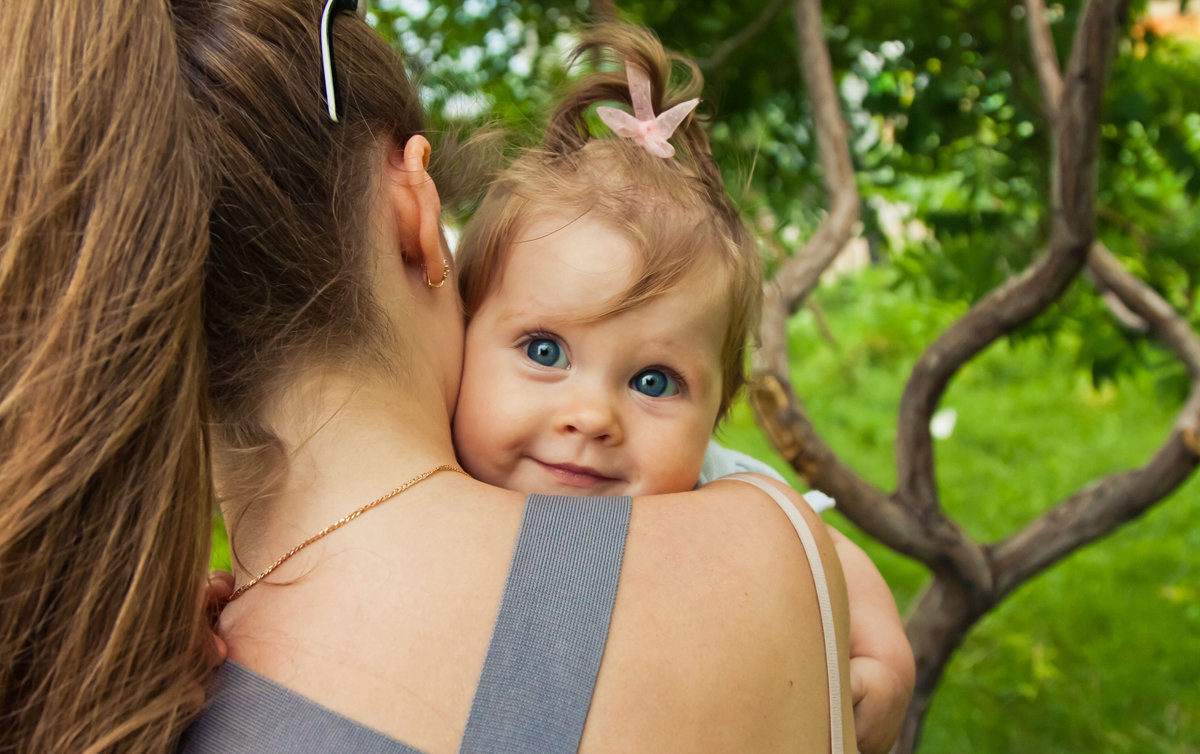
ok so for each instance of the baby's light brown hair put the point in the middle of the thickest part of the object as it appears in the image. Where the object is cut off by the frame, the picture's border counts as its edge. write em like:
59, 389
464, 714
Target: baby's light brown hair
674, 211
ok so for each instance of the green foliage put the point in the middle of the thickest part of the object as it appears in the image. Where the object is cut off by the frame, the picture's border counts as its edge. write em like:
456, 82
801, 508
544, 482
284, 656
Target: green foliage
1101, 652
482, 60
1150, 174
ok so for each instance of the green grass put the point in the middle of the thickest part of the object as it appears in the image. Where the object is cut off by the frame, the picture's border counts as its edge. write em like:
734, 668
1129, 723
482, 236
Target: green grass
1101, 653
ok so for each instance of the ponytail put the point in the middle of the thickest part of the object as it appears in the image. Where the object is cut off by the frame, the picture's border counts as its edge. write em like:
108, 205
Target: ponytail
674, 210
674, 79
105, 502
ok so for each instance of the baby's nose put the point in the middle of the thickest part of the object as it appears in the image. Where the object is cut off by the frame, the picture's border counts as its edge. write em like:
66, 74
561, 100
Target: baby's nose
592, 415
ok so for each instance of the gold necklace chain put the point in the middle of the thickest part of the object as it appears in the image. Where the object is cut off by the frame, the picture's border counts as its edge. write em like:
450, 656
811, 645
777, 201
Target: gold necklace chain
342, 522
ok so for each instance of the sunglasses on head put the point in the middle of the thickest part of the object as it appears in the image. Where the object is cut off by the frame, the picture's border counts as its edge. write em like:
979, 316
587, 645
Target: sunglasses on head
327, 69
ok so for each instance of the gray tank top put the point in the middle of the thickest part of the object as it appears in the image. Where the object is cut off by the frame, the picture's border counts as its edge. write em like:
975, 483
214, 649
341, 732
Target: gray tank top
542, 661
538, 676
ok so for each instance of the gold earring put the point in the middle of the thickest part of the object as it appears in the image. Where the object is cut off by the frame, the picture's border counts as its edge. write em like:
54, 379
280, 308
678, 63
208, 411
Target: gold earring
440, 283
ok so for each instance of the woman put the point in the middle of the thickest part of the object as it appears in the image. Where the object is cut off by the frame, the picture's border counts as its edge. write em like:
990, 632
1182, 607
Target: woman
203, 269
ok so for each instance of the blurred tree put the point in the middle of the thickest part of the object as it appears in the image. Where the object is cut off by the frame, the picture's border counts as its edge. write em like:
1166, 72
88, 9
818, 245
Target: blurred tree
947, 135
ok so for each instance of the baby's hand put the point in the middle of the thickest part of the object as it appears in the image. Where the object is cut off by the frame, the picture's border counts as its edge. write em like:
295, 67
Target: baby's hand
880, 698
220, 587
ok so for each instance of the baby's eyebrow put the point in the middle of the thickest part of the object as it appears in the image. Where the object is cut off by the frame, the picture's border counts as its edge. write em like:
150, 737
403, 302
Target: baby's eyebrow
527, 320
681, 360
526, 316
696, 360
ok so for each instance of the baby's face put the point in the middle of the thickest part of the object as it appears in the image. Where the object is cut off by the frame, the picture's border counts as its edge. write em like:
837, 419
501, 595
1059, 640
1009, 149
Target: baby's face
556, 402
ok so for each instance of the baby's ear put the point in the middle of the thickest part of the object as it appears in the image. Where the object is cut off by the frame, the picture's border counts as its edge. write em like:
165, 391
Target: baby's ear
418, 208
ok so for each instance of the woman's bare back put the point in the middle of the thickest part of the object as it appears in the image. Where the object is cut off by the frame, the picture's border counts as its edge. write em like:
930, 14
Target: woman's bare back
715, 641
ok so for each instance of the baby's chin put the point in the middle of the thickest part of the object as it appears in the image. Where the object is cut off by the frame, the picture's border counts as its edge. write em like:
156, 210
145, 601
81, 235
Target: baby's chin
546, 487
615, 489
516, 481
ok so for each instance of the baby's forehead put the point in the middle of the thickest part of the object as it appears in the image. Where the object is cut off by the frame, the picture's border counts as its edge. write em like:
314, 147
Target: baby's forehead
661, 235
601, 251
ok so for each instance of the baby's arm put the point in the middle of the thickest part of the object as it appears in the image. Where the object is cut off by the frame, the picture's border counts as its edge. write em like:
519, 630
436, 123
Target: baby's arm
881, 661
882, 671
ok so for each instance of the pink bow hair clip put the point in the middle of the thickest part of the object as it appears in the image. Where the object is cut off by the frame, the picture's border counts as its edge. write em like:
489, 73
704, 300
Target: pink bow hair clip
646, 129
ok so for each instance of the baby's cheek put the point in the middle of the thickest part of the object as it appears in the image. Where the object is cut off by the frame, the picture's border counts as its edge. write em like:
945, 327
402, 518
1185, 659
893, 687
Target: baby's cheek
471, 429
488, 438
675, 470
480, 460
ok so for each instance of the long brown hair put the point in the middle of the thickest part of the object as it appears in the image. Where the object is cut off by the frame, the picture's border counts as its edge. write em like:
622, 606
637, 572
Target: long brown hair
104, 499
675, 211
179, 225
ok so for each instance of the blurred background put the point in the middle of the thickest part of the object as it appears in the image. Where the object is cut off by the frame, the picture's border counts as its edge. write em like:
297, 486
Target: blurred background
952, 159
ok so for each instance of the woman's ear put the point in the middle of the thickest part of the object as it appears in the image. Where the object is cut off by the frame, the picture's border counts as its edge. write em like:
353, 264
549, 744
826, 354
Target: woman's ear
418, 209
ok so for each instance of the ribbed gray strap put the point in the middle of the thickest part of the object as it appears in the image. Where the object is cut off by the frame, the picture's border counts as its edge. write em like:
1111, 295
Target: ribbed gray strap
251, 714
541, 666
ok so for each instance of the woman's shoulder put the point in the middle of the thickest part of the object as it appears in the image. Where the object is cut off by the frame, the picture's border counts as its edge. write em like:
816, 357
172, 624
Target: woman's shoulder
730, 528
717, 622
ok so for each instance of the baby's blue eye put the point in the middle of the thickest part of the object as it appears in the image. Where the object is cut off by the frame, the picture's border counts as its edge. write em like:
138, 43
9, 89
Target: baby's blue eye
546, 352
654, 383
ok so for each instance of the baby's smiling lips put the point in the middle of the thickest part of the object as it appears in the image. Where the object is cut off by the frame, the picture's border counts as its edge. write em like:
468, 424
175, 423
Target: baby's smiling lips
576, 476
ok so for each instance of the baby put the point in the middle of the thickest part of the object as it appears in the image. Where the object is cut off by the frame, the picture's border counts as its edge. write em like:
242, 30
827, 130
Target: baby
612, 288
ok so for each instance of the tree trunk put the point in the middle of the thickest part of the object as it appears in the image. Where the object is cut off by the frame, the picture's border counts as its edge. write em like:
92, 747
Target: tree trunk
936, 627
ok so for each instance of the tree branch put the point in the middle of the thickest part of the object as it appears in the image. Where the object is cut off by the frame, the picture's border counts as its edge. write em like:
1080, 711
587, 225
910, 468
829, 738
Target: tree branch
1024, 297
1099, 509
1045, 58
799, 275
778, 410
792, 434
933, 539
1045, 62
1165, 323
1092, 513
752, 30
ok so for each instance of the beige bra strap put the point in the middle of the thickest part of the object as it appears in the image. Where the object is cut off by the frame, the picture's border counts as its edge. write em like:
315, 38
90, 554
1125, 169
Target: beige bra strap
832, 671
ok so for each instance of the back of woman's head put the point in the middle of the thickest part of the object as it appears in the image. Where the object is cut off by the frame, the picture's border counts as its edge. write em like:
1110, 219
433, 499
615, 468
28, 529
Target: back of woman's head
674, 210
179, 221
286, 284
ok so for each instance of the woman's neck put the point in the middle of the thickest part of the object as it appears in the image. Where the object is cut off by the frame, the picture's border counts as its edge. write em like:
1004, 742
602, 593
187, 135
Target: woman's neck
347, 441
